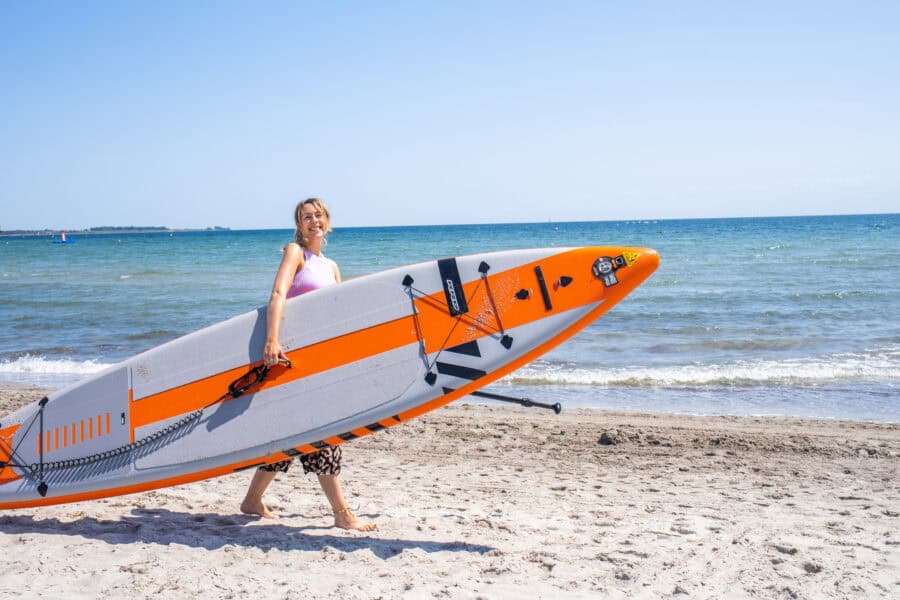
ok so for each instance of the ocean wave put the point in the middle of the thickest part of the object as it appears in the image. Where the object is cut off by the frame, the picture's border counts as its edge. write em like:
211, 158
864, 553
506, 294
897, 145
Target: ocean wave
883, 368
39, 365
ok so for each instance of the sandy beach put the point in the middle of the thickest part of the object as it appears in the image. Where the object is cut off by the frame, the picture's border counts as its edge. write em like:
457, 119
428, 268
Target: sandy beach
494, 502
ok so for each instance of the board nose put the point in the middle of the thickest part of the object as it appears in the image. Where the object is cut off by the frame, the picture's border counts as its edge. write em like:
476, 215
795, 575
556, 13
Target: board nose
644, 262
629, 266
649, 259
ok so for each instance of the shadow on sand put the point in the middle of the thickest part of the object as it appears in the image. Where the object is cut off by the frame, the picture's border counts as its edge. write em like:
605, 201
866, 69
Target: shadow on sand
214, 531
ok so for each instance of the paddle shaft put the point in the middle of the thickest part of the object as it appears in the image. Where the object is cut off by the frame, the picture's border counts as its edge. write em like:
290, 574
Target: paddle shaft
557, 407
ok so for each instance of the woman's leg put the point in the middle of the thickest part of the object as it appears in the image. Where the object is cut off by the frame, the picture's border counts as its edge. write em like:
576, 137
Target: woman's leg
343, 518
253, 502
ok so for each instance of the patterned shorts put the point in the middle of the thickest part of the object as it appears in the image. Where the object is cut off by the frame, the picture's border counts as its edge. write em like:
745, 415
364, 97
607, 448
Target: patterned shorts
326, 461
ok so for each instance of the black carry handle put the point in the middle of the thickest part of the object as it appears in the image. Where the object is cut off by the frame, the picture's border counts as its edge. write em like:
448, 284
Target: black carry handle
557, 407
253, 377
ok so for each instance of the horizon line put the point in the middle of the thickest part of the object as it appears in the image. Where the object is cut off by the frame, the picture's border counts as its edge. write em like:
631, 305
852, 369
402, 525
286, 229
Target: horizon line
125, 229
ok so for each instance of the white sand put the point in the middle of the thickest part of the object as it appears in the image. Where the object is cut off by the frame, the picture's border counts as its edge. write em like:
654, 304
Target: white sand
495, 502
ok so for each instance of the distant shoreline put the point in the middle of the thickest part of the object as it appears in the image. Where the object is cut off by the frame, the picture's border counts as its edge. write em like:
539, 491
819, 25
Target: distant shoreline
102, 231
116, 230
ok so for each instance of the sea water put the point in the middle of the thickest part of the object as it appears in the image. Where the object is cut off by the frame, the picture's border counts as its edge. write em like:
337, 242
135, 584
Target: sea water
795, 316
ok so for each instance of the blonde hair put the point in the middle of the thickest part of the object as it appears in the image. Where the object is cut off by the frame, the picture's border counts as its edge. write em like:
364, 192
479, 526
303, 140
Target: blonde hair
298, 234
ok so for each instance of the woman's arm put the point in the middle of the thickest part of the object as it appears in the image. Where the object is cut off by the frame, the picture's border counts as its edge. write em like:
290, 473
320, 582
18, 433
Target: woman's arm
337, 272
291, 262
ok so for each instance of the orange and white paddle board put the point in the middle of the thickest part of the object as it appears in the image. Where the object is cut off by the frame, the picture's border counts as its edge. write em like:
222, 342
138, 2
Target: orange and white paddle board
366, 354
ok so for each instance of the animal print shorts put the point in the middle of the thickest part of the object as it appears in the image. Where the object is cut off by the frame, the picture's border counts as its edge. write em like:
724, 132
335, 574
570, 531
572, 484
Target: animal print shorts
326, 461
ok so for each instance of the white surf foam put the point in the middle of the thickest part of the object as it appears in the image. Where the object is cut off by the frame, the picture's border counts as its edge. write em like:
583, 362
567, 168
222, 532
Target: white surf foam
39, 370
883, 367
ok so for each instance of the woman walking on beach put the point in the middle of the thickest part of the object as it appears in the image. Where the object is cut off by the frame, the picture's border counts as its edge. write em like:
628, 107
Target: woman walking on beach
303, 269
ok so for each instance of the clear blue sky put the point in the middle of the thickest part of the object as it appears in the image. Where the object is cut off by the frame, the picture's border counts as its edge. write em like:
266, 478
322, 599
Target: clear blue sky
201, 113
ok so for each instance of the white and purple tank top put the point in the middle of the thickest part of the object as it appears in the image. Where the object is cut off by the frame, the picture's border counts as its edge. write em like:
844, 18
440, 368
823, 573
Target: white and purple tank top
316, 273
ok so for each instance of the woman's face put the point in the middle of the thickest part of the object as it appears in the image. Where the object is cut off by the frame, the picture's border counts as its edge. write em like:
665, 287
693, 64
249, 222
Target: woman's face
313, 222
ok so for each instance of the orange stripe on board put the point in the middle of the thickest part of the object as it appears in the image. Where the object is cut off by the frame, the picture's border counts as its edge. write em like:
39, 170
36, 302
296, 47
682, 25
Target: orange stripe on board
107, 423
308, 360
389, 422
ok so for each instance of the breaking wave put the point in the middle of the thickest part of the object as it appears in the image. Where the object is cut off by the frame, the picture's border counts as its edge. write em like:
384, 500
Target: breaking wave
54, 372
882, 367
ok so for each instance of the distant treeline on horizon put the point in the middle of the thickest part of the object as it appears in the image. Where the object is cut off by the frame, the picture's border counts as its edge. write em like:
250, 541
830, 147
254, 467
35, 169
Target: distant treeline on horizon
105, 229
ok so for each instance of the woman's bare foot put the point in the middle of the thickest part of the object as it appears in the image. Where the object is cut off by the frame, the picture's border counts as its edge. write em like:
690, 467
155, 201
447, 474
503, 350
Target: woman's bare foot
345, 519
248, 507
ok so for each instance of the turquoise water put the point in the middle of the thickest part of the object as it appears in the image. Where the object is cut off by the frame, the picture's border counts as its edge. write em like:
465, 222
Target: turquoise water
788, 316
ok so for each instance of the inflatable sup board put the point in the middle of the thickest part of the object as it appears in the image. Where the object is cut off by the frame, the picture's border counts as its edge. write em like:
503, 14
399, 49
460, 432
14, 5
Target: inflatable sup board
366, 354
